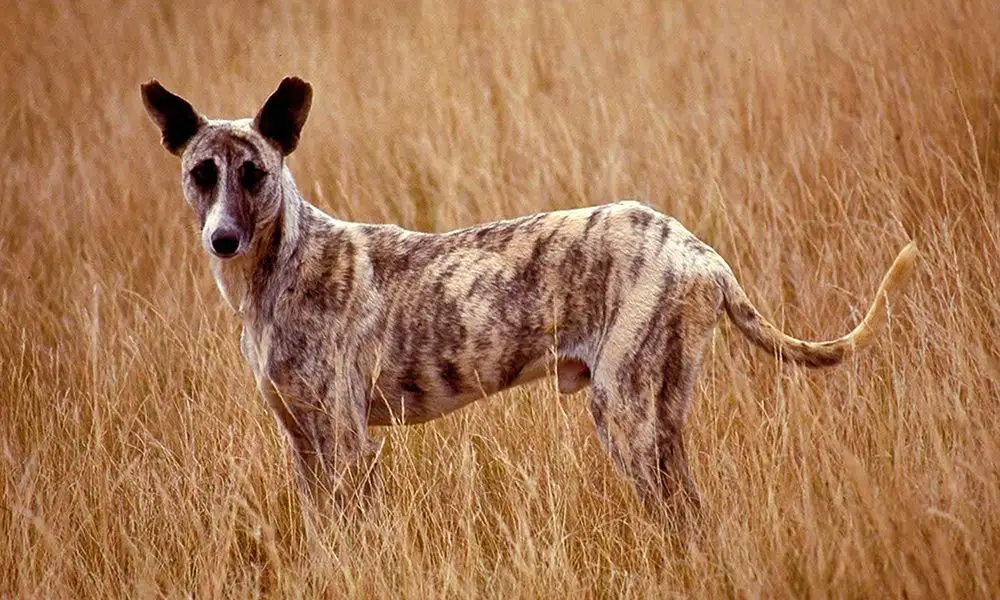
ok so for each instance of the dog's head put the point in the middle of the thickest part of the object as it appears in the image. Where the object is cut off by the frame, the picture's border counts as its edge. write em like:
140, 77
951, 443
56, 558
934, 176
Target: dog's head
231, 171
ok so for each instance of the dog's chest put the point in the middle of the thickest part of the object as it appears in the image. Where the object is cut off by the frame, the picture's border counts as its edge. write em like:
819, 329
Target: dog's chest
232, 284
253, 352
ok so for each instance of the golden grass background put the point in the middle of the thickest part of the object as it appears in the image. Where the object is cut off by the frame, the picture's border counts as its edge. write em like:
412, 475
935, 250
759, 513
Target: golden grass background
806, 141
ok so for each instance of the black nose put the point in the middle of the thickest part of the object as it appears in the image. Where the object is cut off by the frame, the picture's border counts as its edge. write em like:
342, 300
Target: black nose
225, 243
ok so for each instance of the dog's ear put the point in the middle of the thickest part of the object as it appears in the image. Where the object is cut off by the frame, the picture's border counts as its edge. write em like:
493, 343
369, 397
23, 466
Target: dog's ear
281, 118
174, 115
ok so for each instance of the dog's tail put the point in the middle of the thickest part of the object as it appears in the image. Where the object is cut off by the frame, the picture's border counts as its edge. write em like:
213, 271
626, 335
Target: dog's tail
816, 354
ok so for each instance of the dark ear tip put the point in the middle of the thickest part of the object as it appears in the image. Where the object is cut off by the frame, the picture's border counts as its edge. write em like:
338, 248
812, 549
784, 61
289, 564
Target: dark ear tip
297, 85
296, 81
152, 92
151, 86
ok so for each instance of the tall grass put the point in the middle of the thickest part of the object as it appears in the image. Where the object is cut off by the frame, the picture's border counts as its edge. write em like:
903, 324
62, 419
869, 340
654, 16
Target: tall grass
806, 141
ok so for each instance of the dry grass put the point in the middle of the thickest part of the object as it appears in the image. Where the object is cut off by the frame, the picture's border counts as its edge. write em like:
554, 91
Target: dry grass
805, 141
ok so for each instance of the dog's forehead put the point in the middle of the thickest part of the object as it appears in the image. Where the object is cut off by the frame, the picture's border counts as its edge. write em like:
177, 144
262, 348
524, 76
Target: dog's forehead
229, 140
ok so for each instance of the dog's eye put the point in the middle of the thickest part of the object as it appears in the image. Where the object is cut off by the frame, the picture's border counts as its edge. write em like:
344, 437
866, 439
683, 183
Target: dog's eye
205, 174
251, 175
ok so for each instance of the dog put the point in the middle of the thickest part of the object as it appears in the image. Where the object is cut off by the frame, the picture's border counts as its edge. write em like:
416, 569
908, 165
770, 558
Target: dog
348, 325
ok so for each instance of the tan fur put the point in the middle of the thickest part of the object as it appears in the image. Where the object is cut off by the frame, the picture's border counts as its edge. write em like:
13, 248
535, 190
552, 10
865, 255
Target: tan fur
770, 338
347, 325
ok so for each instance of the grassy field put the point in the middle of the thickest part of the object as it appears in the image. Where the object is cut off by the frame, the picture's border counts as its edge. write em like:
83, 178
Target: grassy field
806, 141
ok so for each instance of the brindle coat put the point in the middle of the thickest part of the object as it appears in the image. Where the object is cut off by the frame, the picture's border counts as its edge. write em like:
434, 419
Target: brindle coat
347, 325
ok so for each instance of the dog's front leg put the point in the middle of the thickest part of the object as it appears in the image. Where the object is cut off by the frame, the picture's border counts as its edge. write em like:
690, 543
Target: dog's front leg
328, 441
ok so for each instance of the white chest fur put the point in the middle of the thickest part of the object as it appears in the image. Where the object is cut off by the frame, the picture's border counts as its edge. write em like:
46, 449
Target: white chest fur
231, 281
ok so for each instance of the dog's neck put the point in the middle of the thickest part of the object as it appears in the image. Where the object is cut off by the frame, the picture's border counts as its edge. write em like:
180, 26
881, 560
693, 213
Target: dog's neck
240, 280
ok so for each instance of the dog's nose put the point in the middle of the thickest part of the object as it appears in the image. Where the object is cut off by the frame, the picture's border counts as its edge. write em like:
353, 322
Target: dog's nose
225, 243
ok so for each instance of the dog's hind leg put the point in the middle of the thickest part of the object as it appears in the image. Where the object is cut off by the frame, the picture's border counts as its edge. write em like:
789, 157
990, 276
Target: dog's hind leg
640, 395
645, 445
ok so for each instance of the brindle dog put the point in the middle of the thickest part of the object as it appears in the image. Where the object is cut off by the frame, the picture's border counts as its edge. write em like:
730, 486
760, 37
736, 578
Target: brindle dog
347, 325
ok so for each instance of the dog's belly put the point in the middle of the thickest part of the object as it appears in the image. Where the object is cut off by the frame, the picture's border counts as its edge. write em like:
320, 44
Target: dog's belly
572, 375
409, 410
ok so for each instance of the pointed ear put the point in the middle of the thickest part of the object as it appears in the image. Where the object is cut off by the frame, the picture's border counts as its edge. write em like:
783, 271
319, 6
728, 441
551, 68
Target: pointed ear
281, 118
175, 117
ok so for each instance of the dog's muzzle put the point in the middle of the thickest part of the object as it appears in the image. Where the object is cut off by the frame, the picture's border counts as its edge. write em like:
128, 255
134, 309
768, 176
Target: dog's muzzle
222, 233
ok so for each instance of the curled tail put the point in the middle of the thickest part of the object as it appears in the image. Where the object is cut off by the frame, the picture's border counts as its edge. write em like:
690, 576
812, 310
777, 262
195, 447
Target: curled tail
816, 354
